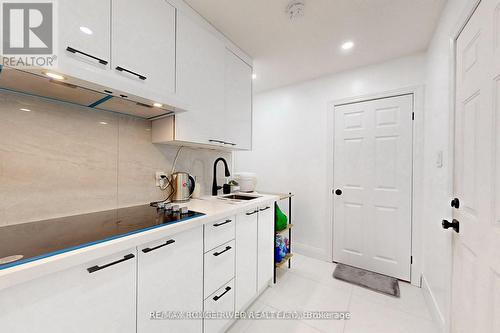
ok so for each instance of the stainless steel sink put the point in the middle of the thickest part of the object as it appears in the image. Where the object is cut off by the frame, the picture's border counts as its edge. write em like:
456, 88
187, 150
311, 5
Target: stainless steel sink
240, 197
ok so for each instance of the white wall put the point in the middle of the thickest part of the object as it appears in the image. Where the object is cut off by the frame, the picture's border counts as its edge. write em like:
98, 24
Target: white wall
438, 181
290, 140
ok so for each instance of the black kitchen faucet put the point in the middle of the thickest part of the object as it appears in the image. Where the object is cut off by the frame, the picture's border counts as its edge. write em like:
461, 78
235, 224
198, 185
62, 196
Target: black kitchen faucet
215, 187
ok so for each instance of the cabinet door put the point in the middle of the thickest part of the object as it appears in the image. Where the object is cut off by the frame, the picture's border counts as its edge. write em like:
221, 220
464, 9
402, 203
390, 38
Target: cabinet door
200, 83
144, 45
246, 258
265, 246
84, 36
170, 278
238, 105
74, 300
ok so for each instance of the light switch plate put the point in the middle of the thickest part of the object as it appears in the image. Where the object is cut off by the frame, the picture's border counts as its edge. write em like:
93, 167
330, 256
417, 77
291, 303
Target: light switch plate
439, 159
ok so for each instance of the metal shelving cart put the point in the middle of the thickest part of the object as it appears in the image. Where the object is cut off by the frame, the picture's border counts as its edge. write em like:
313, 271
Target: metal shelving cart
288, 257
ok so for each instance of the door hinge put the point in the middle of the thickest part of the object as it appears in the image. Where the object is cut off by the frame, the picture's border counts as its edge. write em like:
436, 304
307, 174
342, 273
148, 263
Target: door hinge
411, 260
413, 116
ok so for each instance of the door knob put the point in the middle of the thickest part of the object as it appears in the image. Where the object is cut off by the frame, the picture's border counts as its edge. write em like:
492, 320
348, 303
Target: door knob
455, 225
338, 191
455, 203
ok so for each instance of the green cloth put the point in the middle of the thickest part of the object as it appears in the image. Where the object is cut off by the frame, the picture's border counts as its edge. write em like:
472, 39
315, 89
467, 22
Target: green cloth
281, 219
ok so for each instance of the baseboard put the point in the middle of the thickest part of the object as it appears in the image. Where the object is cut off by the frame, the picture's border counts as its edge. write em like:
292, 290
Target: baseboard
433, 306
310, 251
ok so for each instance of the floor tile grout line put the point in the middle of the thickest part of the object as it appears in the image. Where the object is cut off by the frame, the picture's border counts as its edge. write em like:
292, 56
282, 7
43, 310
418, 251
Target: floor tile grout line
394, 308
348, 308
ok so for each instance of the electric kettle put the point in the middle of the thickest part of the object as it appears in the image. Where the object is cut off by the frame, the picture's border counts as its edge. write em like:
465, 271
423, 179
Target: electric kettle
182, 185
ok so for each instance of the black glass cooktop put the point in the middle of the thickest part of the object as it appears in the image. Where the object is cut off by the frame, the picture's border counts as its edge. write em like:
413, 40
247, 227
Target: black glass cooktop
37, 240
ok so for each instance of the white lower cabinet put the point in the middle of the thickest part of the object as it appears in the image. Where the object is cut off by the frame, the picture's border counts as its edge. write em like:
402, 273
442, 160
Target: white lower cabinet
246, 258
265, 243
170, 279
221, 303
135, 291
99, 296
219, 267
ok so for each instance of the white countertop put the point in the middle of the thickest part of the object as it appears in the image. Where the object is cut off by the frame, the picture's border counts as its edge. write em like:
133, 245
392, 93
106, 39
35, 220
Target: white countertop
213, 208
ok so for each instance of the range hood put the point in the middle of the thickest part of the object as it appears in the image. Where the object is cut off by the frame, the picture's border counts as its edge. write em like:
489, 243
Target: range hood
80, 92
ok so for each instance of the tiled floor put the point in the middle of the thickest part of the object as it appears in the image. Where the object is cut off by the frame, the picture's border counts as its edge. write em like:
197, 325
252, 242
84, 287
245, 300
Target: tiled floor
309, 286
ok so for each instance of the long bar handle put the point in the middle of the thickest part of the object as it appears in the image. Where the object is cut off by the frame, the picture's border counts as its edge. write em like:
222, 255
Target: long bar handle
222, 223
221, 252
121, 69
96, 268
146, 250
216, 298
74, 51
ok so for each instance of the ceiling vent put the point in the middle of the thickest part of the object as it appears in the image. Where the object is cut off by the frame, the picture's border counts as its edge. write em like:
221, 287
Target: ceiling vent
295, 9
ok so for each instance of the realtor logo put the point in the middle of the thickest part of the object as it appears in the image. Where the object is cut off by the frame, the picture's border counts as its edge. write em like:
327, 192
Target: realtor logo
27, 28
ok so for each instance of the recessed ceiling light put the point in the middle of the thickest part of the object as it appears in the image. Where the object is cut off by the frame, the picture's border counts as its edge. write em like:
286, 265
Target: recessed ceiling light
86, 30
347, 45
254, 76
157, 105
55, 76
25, 110
103, 123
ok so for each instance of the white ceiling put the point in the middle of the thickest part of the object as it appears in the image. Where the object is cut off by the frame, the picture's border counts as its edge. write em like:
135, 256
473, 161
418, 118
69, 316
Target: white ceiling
287, 51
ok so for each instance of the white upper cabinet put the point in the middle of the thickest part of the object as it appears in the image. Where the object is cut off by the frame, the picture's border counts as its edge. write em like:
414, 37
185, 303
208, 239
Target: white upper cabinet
217, 86
200, 82
143, 46
238, 102
84, 37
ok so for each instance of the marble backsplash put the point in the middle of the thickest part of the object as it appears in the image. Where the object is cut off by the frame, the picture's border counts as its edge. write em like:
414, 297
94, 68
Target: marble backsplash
59, 159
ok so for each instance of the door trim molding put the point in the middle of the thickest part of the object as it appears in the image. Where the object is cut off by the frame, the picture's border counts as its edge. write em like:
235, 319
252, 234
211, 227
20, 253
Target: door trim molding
417, 166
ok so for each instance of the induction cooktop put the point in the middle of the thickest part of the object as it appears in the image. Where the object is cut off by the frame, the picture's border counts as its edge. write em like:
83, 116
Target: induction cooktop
32, 241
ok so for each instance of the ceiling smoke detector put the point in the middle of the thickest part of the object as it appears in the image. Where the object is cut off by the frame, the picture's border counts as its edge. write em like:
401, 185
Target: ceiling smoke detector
295, 9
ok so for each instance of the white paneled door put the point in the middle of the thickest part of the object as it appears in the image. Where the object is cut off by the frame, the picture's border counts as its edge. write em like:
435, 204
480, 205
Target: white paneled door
476, 246
372, 185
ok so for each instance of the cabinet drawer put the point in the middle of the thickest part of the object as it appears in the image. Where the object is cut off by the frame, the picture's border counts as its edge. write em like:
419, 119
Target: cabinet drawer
219, 267
219, 232
221, 301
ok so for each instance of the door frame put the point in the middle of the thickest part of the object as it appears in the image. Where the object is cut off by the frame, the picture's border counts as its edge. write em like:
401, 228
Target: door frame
417, 170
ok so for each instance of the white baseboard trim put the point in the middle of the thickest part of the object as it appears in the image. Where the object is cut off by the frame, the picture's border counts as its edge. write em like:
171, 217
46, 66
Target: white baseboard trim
310, 251
433, 306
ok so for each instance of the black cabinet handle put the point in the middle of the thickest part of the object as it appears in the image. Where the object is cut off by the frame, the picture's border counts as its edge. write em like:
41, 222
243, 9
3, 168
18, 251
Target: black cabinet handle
221, 252
253, 212
338, 191
72, 50
216, 298
263, 209
455, 203
222, 142
121, 69
98, 268
222, 223
146, 250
